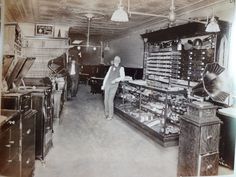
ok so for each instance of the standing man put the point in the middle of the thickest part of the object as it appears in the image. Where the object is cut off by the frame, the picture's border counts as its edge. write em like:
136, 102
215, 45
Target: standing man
110, 84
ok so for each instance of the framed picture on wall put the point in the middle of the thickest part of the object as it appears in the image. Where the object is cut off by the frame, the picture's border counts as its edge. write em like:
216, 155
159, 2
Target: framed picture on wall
44, 30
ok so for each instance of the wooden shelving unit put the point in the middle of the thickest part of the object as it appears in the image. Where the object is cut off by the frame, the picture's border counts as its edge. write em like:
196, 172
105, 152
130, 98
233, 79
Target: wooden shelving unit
43, 49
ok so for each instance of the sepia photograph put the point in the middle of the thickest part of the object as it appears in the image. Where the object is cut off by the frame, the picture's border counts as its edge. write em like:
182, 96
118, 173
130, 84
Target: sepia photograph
118, 88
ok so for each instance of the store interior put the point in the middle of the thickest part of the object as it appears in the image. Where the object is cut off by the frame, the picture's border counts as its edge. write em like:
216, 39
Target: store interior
172, 114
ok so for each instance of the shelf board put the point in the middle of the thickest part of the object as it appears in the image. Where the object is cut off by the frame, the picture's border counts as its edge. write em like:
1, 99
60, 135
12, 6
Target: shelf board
173, 122
164, 140
150, 110
43, 37
47, 48
162, 90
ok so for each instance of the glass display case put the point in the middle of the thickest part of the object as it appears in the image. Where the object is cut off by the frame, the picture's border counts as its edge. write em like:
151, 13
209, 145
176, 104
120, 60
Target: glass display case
155, 111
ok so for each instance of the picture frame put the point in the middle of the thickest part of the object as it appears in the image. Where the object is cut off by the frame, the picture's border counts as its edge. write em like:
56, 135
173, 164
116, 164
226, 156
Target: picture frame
44, 30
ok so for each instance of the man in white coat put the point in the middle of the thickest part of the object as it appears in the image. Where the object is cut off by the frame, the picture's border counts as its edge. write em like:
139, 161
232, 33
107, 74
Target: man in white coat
110, 84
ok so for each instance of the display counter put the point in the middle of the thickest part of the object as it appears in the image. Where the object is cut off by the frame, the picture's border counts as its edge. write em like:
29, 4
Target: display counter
154, 111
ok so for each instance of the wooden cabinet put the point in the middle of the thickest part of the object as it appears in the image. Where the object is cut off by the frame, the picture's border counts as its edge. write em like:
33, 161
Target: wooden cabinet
20, 140
227, 136
199, 141
17, 145
17, 101
10, 144
12, 39
28, 144
12, 51
41, 101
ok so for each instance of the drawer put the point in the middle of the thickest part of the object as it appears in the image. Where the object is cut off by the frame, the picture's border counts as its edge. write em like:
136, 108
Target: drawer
14, 142
28, 161
209, 138
11, 167
28, 140
10, 103
4, 137
4, 148
28, 125
25, 103
49, 112
14, 121
48, 125
209, 164
28, 131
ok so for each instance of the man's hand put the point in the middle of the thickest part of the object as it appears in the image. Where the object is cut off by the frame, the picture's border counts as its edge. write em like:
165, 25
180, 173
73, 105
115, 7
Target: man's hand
102, 88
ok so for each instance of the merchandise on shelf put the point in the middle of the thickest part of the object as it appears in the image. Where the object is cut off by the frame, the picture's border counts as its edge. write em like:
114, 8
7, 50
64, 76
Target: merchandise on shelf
162, 61
155, 109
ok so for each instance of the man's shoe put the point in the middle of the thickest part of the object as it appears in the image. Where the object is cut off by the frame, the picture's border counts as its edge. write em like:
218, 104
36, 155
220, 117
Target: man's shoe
109, 118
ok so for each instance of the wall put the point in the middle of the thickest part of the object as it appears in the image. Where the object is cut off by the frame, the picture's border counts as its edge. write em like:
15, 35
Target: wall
43, 49
130, 47
86, 56
27, 29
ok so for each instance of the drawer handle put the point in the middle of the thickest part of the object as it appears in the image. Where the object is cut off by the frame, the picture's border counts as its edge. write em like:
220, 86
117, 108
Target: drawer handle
209, 167
12, 142
8, 145
28, 131
209, 137
11, 122
28, 161
9, 161
26, 107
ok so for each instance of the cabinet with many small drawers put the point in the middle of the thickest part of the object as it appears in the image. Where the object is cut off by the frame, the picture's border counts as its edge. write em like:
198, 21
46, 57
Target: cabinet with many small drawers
199, 141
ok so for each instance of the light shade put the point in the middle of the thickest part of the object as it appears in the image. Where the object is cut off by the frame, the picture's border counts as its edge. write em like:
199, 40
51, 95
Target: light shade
107, 48
120, 15
213, 26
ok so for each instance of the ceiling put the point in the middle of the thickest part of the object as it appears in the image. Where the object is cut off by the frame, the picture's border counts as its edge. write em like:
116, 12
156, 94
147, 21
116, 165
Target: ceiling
71, 13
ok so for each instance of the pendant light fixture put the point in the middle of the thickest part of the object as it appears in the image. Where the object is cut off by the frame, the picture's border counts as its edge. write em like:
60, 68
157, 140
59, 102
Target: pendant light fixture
120, 15
212, 26
107, 48
89, 16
